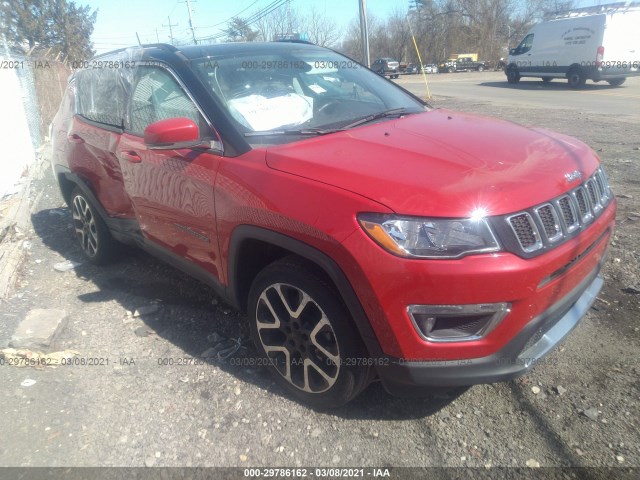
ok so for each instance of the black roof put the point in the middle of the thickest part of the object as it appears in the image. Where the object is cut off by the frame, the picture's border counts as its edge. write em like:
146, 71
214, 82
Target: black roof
162, 51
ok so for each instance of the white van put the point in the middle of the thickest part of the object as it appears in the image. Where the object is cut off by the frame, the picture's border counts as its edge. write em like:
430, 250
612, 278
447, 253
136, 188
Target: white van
593, 43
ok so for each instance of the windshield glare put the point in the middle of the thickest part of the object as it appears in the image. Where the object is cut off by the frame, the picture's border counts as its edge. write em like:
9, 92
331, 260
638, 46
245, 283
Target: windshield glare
300, 90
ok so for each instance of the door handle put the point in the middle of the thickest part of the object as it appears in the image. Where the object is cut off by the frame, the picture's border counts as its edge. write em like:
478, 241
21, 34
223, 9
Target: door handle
74, 138
132, 157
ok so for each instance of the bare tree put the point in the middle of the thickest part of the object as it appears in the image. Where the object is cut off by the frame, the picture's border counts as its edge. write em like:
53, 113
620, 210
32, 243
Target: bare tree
276, 23
320, 28
238, 30
445, 27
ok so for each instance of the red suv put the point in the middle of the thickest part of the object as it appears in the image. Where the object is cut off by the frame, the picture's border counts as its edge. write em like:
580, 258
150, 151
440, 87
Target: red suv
350, 221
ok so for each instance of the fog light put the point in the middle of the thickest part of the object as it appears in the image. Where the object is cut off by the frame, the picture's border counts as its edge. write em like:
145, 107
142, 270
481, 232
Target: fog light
456, 323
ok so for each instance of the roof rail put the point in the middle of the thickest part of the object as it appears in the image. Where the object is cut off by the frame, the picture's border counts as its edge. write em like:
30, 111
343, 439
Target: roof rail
166, 46
294, 40
592, 10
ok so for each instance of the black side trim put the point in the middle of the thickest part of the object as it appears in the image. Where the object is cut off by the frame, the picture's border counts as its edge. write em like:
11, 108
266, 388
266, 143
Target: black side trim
329, 266
187, 267
103, 126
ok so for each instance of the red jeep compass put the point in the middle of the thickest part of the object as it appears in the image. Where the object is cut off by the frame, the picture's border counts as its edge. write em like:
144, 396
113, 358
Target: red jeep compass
341, 212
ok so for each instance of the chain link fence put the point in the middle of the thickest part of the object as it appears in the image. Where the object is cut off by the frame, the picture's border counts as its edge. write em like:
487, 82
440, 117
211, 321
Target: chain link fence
31, 89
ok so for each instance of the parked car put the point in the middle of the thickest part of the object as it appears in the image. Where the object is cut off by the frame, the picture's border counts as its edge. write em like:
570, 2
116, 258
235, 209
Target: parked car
591, 43
386, 67
463, 64
431, 68
411, 69
362, 237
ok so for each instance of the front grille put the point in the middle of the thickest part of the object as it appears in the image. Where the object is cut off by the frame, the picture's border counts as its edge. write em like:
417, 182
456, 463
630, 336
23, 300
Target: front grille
568, 213
526, 231
551, 222
580, 195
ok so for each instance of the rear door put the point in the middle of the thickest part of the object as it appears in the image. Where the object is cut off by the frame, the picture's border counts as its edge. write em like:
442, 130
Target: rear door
621, 41
93, 135
171, 190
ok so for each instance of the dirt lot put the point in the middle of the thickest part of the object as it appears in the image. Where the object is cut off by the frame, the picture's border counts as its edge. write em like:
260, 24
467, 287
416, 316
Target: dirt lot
135, 409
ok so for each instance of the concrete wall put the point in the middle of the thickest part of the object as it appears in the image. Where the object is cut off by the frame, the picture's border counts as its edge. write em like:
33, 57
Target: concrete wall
16, 145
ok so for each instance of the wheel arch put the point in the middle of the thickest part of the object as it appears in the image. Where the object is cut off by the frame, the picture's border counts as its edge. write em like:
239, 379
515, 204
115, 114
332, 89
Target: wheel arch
67, 181
253, 248
572, 67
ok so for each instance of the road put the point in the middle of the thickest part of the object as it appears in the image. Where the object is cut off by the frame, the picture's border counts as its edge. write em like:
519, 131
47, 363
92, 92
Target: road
492, 87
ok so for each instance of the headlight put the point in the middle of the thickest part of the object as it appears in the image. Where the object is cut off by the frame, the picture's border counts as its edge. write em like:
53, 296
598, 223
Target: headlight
415, 237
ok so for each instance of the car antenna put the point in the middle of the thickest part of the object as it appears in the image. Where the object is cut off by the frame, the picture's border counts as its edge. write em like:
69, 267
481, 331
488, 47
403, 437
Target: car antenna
138, 37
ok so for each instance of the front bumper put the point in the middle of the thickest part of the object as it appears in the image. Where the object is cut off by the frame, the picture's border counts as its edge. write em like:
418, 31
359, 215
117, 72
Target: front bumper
526, 349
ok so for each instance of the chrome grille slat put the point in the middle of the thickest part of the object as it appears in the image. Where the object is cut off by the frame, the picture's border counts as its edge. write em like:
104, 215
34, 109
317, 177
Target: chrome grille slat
601, 187
569, 213
526, 232
584, 205
551, 222
594, 195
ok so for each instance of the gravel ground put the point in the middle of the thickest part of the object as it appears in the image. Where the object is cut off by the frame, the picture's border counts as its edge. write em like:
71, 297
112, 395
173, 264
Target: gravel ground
134, 409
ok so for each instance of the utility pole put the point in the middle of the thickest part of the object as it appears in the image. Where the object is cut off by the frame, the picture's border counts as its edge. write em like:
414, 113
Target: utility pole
170, 29
364, 33
193, 30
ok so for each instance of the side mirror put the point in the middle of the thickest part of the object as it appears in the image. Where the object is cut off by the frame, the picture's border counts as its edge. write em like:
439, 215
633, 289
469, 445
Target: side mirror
512, 51
171, 134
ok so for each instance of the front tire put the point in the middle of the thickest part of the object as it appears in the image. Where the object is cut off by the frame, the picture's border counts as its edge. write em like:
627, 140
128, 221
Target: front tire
547, 79
513, 76
96, 243
481, 68
305, 335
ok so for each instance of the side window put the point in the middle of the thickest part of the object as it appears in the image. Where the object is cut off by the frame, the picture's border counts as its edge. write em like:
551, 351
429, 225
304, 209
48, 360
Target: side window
158, 96
525, 44
100, 95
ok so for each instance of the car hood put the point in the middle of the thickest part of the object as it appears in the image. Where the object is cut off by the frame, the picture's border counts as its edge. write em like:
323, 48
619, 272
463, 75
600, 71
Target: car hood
442, 163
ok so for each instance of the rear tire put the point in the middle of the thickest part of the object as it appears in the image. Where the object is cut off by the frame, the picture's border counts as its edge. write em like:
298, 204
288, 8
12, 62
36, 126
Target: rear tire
305, 335
576, 78
451, 70
96, 242
481, 68
616, 82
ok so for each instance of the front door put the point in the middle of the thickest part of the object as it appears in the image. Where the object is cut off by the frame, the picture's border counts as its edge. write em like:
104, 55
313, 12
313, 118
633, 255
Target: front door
171, 190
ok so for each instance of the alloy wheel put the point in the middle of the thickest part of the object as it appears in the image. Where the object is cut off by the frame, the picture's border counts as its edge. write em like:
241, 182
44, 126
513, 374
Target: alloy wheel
85, 226
298, 338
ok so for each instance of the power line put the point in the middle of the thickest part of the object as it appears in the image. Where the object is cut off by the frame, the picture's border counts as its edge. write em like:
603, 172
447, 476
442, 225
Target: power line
272, 7
231, 17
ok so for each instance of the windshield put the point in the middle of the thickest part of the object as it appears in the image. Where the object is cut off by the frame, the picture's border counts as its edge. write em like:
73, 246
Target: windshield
300, 92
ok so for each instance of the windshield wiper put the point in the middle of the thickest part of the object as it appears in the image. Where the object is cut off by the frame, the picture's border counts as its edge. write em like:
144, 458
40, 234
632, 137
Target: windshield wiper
369, 118
319, 131
305, 131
